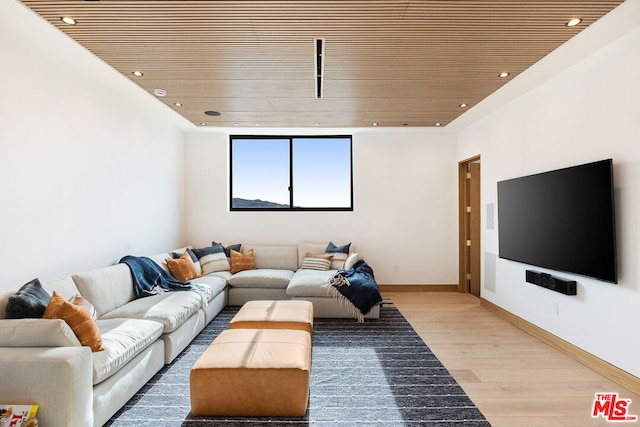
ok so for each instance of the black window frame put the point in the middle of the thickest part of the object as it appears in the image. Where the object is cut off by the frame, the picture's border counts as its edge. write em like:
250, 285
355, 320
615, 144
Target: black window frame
291, 187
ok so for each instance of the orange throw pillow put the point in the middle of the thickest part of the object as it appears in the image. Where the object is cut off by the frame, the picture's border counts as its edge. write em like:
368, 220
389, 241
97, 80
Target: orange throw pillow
78, 319
183, 268
241, 262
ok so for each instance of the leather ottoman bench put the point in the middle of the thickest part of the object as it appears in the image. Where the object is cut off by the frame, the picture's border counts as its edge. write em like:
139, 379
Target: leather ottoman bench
253, 372
285, 314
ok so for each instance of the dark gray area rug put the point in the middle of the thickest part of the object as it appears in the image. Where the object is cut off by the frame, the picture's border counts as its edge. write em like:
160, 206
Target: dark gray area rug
363, 374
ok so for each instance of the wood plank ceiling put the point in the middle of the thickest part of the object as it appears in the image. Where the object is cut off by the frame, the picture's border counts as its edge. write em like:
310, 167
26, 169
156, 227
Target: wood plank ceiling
393, 63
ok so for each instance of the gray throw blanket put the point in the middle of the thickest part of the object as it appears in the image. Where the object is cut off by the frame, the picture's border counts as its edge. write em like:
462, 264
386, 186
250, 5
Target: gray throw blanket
151, 279
356, 288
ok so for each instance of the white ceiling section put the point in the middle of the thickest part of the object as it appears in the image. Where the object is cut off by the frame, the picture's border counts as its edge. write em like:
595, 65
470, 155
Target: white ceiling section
388, 63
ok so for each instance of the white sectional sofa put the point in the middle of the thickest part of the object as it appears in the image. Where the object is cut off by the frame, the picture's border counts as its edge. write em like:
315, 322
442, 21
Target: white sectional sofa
278, 275
43, 362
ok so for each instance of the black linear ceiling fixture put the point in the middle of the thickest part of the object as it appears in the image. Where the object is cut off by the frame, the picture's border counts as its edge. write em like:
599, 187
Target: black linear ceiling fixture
319, 47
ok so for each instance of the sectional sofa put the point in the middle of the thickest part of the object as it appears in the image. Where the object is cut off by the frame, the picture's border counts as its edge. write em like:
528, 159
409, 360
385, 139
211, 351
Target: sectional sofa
81, 382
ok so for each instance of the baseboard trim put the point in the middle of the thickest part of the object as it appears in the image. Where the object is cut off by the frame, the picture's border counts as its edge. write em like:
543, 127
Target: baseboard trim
615, 374
418, 288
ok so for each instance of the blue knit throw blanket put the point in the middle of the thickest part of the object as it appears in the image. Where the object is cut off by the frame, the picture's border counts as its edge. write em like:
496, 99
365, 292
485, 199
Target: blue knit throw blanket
151, 279
357, 288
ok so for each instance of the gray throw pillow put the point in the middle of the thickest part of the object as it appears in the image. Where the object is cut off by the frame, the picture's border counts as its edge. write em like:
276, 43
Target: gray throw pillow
29, 301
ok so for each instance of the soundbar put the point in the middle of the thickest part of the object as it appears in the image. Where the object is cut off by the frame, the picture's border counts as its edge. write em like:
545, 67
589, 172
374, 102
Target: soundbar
567, 287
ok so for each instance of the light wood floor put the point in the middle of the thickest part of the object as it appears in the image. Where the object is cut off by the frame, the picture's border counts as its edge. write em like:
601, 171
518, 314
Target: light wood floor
513, 378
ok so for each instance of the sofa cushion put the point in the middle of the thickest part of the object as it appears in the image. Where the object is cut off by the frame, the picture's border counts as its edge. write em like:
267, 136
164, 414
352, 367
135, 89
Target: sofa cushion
215, 283
161, 259
106, 288
37, 333
261, 278
279, 257
30, 301
312, 248
122, 340
78, 318
240, 262
225, 275
171, 309
309, 283
65, 286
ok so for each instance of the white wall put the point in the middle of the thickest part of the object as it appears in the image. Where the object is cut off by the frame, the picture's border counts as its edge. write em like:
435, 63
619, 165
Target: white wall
91, 165
585, 113
405, 198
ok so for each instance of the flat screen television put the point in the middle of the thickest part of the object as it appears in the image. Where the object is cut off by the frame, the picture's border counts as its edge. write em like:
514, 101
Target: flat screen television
563, 220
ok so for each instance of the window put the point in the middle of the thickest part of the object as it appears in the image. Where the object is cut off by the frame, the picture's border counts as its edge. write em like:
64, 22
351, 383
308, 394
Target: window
291, 173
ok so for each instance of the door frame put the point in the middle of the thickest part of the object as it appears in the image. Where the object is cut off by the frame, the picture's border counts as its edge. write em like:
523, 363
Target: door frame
464, 223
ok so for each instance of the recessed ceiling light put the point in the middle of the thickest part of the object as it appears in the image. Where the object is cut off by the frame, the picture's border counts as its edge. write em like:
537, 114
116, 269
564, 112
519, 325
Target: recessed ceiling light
573, 22
257, 124
503, 75
464, 105
68, 20
203, 124
438, 124
236, 124
374, 124
160, 92
316, 124
137, 73
178, 104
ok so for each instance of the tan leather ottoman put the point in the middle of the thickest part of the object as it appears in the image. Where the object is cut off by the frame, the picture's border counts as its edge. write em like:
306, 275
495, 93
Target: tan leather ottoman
284, 314
253, 372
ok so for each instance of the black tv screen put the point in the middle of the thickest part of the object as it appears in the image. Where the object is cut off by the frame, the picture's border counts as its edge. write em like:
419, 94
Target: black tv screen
563, 220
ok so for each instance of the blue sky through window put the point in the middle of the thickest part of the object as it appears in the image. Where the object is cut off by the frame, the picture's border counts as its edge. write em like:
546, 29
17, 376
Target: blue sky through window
321, 170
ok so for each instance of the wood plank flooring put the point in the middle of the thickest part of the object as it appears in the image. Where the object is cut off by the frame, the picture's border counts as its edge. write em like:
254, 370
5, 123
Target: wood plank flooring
514, 378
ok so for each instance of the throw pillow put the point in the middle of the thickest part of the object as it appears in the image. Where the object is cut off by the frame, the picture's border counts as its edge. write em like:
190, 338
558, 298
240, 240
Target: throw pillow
183, 268
212, 258
351, 261
227, 249
81, 301
78, 319
194, 258
30, 301
241, 262
331, 248
338, 260
316, 262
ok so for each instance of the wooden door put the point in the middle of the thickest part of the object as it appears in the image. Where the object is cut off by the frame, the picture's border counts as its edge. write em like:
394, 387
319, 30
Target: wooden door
469, 226
474, 228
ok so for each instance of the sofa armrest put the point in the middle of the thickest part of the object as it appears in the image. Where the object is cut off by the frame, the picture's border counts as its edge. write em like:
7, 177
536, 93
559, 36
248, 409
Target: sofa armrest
36, 333
58, 379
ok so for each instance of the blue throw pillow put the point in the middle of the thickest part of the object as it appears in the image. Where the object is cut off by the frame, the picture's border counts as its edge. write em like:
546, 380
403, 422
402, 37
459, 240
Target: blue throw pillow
227, 249
29, 301
214, 249
344, 249
193, 256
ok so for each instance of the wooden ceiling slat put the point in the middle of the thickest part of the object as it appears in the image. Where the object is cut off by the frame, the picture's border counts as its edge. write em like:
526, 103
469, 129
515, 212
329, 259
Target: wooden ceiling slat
393, 61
